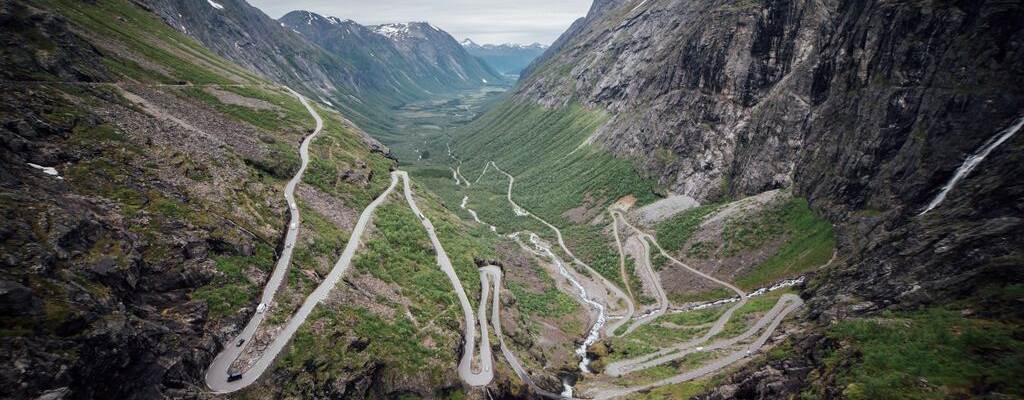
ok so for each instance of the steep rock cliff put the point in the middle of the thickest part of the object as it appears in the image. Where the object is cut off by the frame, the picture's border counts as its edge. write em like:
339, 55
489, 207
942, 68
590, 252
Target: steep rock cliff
867, 108
706, 94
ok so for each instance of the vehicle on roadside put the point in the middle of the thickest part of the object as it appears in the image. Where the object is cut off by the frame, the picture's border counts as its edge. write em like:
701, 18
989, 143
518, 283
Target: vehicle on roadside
263, 306
234, 377
240, 343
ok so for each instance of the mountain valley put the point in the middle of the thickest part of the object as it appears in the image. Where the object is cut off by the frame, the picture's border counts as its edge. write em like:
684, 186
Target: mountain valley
713, 199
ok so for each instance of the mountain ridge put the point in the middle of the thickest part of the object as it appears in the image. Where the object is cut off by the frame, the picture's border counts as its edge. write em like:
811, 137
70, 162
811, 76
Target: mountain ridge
415, 54
509, 58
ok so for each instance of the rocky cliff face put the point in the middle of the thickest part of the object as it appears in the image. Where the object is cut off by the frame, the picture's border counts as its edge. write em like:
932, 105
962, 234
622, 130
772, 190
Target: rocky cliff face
415, 56
865, 107
705, 94
86, 304
902, 95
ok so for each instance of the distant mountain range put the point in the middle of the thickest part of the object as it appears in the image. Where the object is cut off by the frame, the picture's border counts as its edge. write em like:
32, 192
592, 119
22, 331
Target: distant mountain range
508, 58
361, 69
417, 55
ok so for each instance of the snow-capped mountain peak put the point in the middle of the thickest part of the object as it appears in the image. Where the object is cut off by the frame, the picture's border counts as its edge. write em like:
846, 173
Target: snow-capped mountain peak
392, 31
507, 46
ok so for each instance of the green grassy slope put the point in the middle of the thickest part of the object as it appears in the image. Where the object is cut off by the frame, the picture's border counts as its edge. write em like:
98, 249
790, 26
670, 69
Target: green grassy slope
539, 147
783, 240
933, 353
554, 173
180, 58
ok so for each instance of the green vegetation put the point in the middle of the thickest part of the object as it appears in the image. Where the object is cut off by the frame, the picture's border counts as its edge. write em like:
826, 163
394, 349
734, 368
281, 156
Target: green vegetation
659, 261
635, 285
289, 110
422, 127
231, 291
680, 391
669, 369
463, 247
745, 316
326, 241
810, 243
145, 35
674, 232
342, 167
929, 354
717, 293
399, 254
487, 197
549, 303
650, 338
592, 247
667, 330
402, 255
397, 343
542, 148
805, 241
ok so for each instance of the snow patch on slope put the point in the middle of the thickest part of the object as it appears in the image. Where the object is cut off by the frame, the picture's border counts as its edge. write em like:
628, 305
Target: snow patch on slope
215, 4
51, 171
392, 31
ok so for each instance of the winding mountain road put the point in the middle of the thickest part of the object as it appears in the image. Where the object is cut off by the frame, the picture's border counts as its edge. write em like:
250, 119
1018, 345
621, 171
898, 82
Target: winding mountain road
485, 373
787, 304
767, 324
646, 268
622, 258
630, 308
476, 366
674, 352
490, 277
218, 372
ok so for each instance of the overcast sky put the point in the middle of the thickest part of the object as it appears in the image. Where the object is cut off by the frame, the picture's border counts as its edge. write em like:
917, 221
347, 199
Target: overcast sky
484, 21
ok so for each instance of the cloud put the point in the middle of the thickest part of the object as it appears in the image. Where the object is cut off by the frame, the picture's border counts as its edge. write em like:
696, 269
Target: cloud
484, 21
